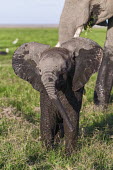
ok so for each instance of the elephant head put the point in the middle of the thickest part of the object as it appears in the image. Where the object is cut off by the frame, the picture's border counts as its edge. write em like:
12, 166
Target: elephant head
38, 64
41, 65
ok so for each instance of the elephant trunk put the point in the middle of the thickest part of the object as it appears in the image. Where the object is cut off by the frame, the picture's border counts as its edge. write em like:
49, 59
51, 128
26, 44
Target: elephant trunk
49, 80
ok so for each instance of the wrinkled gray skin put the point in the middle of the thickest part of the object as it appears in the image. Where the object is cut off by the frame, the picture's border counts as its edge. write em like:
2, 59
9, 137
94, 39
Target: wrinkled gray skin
75, 15
60, 75
104, 82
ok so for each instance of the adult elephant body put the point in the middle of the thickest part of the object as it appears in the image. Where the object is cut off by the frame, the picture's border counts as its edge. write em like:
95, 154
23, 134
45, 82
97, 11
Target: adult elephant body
79, 13
60, 75
76, 14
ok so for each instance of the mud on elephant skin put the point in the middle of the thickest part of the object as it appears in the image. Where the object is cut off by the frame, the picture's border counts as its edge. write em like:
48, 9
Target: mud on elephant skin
60, 75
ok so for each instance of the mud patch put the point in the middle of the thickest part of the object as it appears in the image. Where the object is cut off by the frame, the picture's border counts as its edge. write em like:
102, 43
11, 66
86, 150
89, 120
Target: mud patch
95, 12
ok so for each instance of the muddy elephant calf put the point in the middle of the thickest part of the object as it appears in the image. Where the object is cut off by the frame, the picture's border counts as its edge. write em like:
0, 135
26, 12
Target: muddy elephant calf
60, 75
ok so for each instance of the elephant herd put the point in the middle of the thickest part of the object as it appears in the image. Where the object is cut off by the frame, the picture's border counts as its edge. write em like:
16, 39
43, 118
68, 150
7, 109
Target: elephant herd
60, 73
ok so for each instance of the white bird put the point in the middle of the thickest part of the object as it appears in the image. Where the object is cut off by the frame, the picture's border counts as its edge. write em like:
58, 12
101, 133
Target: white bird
7, 50
15, 41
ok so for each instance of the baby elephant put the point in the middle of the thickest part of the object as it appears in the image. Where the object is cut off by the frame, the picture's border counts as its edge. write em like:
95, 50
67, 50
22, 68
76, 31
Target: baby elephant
60, 75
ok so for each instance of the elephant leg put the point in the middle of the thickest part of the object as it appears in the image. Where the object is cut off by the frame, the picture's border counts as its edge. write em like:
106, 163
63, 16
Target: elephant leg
74, 106
72, 103
104, 81
77, 34
48, 121
71, 137
74, 16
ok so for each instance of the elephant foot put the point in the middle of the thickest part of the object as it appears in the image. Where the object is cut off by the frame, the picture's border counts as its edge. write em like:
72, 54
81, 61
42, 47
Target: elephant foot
47, 139
71, 143
100, 102
71, 148
100, 108
48, 144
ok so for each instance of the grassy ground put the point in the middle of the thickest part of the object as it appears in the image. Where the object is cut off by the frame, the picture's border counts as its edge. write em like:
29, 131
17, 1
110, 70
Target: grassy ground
20, 146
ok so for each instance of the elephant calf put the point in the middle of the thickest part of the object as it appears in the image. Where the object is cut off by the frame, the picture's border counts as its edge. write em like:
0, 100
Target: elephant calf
60, 75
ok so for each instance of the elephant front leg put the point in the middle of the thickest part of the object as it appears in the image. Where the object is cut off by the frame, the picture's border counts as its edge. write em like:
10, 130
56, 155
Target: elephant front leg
47, 122
71, 137
73, 18
72, 35
72, 103
104, 81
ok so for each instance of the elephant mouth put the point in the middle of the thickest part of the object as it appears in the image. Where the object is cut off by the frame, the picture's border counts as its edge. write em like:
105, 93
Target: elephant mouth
60, 83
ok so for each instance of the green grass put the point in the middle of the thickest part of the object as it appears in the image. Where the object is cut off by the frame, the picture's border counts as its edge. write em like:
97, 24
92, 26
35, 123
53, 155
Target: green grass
20, 145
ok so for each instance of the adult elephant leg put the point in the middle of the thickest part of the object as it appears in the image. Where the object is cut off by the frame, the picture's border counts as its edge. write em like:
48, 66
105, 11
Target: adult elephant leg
74, 16
72, 102
104, 81
48, 121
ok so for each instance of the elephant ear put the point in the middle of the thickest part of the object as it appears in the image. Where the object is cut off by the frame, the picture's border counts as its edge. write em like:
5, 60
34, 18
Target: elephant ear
87, 63
25, 62
88, 56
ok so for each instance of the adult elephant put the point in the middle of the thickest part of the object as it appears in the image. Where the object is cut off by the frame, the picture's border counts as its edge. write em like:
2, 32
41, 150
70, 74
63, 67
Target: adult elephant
75, 15
60, 75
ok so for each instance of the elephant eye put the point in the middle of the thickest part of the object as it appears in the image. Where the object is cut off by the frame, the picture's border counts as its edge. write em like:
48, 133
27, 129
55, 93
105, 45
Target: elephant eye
39, 71
66, 63
60, 76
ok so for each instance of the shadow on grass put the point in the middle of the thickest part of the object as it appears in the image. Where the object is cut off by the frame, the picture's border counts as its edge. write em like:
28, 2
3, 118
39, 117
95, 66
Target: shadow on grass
16, 104
31, 117
35, 159
34, 153
104, 127
27, 113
